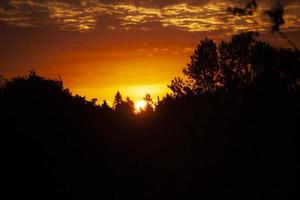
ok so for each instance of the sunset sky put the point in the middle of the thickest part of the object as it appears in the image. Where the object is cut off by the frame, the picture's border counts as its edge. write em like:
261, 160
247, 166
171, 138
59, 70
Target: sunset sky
100, 46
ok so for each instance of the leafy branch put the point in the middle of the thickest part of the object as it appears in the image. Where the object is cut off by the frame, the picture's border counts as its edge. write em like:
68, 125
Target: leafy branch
275, 14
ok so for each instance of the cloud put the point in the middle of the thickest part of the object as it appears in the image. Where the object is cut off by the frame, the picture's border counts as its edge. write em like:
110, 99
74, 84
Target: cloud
112, 15
188, 50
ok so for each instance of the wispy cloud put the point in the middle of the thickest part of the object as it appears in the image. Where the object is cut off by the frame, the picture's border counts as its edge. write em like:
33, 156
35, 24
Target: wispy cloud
83, 15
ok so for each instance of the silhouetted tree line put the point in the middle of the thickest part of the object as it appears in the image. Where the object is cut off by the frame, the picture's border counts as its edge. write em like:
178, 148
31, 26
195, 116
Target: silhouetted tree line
228, 131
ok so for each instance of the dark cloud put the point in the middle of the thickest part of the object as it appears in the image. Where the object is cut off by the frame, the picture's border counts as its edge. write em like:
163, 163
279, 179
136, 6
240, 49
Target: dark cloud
6, 5
87, 15
157, 3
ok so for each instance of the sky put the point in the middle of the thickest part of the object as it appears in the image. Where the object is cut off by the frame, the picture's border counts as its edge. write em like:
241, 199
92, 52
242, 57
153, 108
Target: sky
98, 47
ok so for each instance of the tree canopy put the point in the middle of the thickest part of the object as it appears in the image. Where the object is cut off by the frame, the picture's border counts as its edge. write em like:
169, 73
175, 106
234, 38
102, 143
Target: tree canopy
230, 66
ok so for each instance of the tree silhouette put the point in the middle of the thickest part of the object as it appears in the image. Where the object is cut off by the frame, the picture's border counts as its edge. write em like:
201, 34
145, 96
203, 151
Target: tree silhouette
235, 60
180, 87
275, 14
232, 65
130, 105
149, 104
105, 107
123, 108
203, 70
94, 101
118, 100
248, 9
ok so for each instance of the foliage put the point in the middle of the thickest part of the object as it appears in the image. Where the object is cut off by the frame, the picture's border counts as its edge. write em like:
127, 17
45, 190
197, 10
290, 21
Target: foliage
118, 100
249, 9
149, 103
275, 14
235, 64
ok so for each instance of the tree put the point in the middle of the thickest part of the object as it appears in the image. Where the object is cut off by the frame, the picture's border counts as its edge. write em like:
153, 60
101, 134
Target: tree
235, 60
180, 87
123, 108
94, 101
248, 9
275, 14
203, 71
149, 103
105, 107
233, 65
129, 105
118, 100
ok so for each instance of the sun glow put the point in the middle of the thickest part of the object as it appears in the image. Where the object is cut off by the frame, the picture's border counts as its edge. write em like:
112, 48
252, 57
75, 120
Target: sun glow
140, 105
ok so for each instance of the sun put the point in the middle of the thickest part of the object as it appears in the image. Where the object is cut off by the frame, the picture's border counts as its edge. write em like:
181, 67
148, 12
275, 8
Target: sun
140, 105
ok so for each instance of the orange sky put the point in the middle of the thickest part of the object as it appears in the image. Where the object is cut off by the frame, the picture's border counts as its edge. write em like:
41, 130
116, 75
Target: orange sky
98, 46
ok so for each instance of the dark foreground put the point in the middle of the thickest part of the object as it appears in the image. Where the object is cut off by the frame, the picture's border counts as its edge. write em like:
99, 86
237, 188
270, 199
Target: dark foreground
231, 144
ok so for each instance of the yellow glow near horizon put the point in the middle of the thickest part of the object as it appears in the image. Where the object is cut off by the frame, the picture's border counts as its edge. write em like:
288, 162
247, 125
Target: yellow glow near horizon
140, 105
134, 76
135, 93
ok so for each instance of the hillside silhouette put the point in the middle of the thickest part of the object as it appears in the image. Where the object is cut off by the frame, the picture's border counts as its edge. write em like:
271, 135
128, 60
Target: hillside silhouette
228, 131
